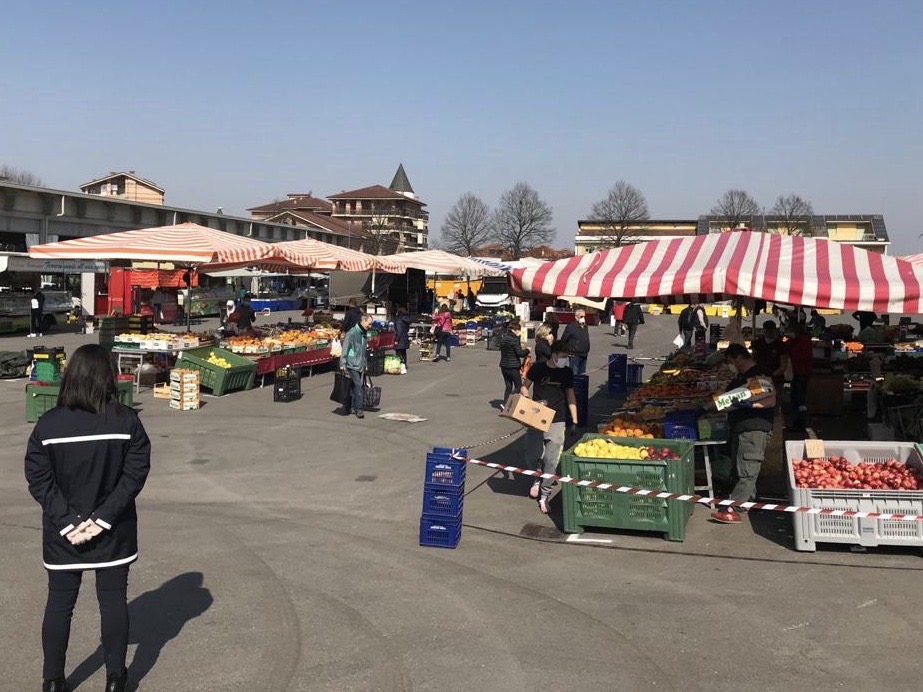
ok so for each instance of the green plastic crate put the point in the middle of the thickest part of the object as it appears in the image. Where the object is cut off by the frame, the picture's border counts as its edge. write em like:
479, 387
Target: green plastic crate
41, 398
589, 507
220, 380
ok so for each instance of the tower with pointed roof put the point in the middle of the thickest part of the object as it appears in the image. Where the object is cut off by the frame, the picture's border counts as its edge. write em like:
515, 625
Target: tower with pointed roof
401, 184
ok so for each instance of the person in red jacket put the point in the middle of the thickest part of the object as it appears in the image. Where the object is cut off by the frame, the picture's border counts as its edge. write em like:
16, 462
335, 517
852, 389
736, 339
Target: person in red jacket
799, 352
618, 313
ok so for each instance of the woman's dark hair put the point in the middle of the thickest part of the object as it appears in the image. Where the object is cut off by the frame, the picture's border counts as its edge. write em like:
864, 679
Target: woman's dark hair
444, 308
515, 324
551, 319
736, 351
401, 311
89, 380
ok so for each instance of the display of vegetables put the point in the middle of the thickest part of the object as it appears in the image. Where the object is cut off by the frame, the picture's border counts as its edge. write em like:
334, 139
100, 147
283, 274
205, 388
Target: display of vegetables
838, 473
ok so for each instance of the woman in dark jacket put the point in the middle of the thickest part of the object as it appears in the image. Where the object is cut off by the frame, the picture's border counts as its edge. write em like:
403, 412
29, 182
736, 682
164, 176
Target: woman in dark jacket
511, 354
402, 336
86, 461
543, 341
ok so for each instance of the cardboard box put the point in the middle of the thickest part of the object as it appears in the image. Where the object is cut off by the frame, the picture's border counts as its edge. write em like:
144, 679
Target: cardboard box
184, 405
184, 376
530, 413
185, 387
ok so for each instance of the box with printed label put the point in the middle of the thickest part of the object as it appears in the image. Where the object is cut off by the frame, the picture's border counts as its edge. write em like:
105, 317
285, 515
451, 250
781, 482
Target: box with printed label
180, 375
185, 387
182, 405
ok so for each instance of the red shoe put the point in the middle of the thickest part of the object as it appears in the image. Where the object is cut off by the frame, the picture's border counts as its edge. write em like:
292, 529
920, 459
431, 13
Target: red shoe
726, 517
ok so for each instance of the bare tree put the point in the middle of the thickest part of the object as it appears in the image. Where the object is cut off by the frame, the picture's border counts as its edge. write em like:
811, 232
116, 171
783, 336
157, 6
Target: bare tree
736, 208
522, 220
624, 207
20, 177
796, 215
468, 225
379, 237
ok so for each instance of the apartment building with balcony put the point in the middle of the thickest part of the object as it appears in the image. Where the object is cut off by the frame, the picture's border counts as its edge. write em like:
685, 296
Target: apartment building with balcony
390, 219
867, 231
596, 235
393, 212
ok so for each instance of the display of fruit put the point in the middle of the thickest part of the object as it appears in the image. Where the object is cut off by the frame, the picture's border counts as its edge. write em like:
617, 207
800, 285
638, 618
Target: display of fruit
601, 448
630, 427
838, 473
218, 360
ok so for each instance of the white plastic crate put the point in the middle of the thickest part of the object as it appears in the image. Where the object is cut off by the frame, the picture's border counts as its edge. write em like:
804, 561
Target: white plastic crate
811, 529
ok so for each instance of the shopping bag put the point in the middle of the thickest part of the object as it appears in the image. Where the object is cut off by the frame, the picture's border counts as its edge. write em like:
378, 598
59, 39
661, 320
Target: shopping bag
342, 388
336, 348
371, 394
678, 341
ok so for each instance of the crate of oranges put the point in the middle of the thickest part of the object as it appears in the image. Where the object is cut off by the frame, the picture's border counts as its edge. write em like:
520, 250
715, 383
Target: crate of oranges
621, 426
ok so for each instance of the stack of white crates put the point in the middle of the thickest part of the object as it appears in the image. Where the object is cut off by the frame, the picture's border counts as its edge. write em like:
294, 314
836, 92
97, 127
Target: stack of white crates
184, 389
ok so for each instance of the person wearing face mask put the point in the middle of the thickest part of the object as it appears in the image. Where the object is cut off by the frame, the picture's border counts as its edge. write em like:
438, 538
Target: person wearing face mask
576, 339
552, 382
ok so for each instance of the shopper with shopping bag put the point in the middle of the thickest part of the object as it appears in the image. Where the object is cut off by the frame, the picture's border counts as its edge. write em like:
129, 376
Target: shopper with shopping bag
353, 363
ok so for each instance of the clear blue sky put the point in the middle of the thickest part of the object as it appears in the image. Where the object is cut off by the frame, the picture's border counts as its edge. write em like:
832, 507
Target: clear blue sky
235, 103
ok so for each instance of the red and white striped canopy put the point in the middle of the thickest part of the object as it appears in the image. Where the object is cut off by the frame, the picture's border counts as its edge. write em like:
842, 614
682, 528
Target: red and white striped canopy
777, 268
442, 262
313, 254
185, 243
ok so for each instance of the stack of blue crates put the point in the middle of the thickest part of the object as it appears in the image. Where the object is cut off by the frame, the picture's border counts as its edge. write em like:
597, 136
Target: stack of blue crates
618, 370
443, 497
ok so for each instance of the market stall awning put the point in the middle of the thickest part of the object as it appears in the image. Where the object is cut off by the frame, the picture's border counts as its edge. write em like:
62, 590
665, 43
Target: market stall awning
784, 269
442, 262
185, 243
314, 254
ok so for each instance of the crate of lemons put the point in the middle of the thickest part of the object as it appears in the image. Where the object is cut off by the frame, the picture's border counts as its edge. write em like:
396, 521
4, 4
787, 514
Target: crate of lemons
608, 448
221, 371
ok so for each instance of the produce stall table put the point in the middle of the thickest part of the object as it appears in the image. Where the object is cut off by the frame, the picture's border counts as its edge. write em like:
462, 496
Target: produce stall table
134, 358
301, 359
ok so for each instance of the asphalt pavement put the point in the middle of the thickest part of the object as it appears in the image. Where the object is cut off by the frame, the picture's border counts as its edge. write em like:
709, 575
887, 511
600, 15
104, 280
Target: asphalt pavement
279, 551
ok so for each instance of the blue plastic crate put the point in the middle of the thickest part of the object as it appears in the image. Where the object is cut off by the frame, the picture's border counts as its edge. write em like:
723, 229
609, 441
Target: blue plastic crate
617, 363
439, 532
444, 472
634, 374
444, 502
681, 425
582, 394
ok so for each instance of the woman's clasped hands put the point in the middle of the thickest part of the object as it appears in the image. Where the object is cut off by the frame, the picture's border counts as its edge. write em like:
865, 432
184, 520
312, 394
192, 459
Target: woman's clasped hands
86, 531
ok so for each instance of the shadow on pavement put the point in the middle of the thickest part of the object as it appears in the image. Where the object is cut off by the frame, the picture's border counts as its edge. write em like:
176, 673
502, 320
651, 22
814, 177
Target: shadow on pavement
156, 617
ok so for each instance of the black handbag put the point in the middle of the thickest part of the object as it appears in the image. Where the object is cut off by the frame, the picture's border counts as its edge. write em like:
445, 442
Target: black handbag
371, 394
342, 388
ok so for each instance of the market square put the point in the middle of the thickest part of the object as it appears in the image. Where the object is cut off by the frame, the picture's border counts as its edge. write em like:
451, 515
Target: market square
279, 550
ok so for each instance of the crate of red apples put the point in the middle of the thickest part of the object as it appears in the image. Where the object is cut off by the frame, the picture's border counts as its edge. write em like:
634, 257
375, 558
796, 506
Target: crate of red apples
879, 477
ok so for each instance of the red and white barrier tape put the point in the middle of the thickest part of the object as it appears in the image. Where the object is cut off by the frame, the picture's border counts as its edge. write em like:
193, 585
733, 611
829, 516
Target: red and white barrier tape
698, 499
